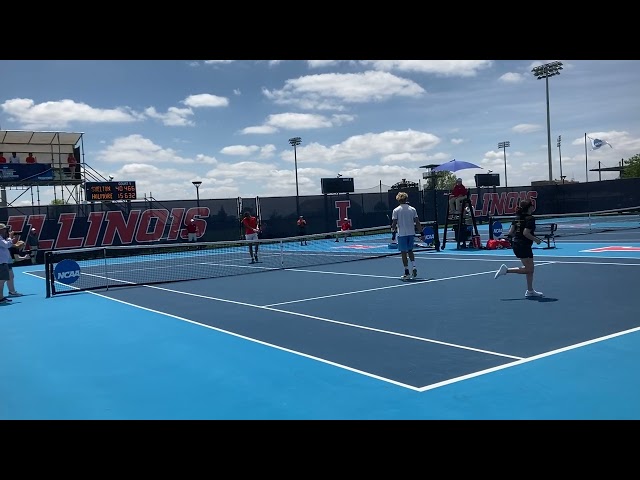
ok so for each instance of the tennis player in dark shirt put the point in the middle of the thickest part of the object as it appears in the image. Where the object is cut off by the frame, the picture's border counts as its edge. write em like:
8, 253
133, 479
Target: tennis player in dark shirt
522, 232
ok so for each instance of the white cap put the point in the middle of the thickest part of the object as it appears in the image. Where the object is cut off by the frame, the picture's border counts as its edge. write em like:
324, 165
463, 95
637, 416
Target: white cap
193, 220
33, 229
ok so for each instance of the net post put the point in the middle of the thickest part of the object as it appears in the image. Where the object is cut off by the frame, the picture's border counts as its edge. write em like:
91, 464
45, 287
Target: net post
47, 268
490, 218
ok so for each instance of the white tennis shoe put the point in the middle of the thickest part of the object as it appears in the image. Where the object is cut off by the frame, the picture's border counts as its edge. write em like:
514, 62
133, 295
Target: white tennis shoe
501, 271
532, 293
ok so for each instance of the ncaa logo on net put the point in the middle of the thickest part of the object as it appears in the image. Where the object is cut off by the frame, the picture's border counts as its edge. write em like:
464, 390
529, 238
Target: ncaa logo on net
497, 229
67, 272
428, 234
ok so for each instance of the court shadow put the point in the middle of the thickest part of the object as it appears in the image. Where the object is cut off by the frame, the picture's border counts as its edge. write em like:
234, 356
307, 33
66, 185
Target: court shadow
532, 299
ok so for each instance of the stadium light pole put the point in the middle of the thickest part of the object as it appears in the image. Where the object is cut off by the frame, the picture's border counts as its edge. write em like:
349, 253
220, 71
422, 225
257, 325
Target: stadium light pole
197, 184
503, 146
295, 141
545, 71
560, 156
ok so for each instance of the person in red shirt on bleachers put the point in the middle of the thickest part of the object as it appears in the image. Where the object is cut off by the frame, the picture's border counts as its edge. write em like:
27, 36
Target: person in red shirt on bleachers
30, 159
73, 165
458, 194
2, 158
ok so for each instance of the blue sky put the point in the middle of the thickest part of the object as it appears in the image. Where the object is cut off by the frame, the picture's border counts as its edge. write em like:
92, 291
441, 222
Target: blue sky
166, 123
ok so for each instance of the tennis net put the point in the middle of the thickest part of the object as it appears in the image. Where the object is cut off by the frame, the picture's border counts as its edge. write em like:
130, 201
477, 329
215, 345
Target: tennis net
72, 270
569, 224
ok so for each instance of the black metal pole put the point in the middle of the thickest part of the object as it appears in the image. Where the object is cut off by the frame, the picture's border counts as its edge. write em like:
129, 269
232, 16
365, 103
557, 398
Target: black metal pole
549, 131
295, 161
504, 151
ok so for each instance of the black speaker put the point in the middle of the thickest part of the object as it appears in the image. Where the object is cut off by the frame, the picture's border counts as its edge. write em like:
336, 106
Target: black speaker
337, 185
487, 180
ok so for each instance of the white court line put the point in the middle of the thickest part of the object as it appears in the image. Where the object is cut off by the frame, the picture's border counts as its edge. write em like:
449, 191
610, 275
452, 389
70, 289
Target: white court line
254, 340
540, 263
519, 360
313, 317
527, 360
336, 322
538, 255
601, 263
422, 282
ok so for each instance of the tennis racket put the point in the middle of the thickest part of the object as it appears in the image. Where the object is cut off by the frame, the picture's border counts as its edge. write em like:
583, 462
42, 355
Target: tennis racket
394, 231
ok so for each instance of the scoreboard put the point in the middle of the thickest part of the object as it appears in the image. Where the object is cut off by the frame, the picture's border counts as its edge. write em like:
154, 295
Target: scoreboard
109, 191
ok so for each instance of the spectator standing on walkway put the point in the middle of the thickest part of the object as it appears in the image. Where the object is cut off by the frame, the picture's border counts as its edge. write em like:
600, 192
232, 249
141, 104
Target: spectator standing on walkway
31, 245
5, 259
192, 231
250, 224
302, 228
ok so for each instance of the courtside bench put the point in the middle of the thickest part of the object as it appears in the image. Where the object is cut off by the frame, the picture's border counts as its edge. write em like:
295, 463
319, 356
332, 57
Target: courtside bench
548, 232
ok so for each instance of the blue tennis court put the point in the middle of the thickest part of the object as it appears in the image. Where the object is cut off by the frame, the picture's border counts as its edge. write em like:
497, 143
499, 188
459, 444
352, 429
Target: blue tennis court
346, 340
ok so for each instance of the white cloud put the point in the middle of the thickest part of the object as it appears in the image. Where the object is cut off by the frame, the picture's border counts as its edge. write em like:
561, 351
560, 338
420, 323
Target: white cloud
62, 113
512, 78
174, 117
259, 130
205, 100
137, 150
526, 128
322, 63
265, 151
297, 121
330, 90
449, 68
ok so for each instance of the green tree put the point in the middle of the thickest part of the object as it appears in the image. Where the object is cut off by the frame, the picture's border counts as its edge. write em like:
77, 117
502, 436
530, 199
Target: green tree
59, 201
632, 167
446, 181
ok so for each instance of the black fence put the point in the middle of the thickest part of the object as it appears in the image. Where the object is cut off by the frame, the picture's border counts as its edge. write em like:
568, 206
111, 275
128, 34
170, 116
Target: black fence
145, 221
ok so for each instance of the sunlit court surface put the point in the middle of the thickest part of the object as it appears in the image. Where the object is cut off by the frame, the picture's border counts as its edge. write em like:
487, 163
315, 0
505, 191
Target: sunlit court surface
293, 339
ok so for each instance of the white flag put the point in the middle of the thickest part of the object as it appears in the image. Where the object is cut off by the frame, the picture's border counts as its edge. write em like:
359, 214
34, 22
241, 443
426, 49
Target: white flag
596, 143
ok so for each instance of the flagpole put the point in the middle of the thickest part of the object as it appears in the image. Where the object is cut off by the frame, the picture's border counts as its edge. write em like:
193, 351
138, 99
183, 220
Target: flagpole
586, 161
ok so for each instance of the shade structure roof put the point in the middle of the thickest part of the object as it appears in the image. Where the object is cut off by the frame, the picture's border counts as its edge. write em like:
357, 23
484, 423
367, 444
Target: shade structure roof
23, 142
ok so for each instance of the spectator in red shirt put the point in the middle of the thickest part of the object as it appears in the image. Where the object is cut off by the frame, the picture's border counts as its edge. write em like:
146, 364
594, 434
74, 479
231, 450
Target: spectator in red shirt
2, 158
192, 231
345, 227
250, 224
302, 228
30, 159
458, 194
73, 165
